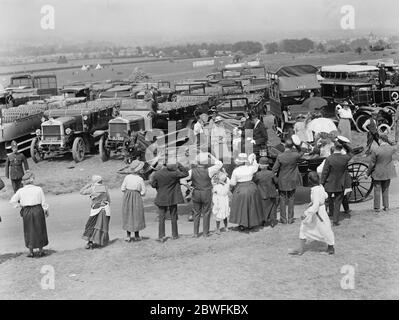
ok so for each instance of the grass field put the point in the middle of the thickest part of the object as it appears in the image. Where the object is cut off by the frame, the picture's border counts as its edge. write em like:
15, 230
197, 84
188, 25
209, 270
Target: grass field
183, 69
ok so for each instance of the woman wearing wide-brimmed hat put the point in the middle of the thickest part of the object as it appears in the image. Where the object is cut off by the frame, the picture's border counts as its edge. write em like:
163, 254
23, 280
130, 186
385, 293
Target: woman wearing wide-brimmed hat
96, 230
246, 206
34, 211
133, 188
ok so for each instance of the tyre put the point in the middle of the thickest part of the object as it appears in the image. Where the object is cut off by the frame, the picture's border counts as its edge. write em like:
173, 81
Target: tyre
34, 151
104, 152
78, 149
384, 129
360, 120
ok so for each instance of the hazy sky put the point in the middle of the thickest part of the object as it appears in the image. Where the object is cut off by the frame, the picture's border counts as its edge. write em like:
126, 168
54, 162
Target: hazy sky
147, 20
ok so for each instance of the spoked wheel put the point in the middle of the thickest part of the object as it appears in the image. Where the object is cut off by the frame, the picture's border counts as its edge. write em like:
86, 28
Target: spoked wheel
78, 149
361, 184
34, 151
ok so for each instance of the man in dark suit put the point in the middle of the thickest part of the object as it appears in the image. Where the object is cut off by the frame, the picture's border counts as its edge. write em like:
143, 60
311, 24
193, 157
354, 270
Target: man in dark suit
259, 135
381, 169
334, 178
201, 182
286, 169
14, 167
169, 195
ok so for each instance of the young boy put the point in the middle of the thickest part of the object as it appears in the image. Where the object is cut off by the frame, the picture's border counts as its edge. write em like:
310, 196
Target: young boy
267, 186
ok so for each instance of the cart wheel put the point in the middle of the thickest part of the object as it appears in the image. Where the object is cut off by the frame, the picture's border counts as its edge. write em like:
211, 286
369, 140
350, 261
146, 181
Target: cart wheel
360, 120
384, 129
361, 184
104, 152
78, 149
34, 151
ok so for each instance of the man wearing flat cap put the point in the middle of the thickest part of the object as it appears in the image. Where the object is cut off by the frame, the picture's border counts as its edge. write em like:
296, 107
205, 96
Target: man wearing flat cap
15, 167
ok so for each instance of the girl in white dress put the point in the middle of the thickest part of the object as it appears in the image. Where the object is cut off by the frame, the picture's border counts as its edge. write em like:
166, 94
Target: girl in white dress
316, 224
220, 199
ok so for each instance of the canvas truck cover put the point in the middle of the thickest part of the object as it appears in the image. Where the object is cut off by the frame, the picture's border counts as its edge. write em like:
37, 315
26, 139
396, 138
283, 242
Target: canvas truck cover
296, 71
298, 83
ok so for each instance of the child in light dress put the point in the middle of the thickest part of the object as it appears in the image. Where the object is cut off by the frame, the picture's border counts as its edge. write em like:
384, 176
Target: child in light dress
220, 199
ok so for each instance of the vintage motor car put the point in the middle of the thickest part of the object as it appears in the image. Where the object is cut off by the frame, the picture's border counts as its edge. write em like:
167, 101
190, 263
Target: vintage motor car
46, 84
76, 128
289, 87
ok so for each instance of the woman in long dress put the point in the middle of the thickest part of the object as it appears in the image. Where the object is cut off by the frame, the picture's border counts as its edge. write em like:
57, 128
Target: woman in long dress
316, 224
246, 206
34, 211
133, 189
345, 117
97, 226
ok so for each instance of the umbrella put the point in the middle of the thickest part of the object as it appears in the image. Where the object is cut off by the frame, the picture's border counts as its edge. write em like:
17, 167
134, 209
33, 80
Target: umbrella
322, 125
314, 103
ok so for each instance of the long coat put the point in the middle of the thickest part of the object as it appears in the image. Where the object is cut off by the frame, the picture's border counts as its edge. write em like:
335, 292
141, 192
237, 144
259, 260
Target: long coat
381, 165
267, 184
167, 183
334, 176
260, 136
14, 169
286, 169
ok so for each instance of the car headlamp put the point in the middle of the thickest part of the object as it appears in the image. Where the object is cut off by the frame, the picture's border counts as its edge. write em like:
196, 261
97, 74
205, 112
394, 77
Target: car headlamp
68, 130
38, 132
85, 118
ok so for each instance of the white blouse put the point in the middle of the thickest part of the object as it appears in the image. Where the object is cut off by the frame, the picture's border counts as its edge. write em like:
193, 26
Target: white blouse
345, 114
243, 173
135, 183
29, 195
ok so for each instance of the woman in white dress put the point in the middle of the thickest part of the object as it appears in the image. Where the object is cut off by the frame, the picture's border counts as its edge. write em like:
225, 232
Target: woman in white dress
345, 117
316, 224
220, 200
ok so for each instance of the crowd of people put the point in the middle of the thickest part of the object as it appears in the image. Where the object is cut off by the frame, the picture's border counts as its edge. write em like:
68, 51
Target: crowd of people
249, 196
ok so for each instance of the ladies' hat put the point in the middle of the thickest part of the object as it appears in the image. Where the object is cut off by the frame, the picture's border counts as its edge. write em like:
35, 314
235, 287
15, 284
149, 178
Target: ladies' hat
218, 119
296, 140
27, 176
136, 165
263, 162
343, 139
96, 179
222, 177
242, 157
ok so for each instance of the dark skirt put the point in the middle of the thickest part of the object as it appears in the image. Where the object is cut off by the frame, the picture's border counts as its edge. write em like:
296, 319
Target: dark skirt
96, 230
269, 208
246, 206
133, 211
35, 230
